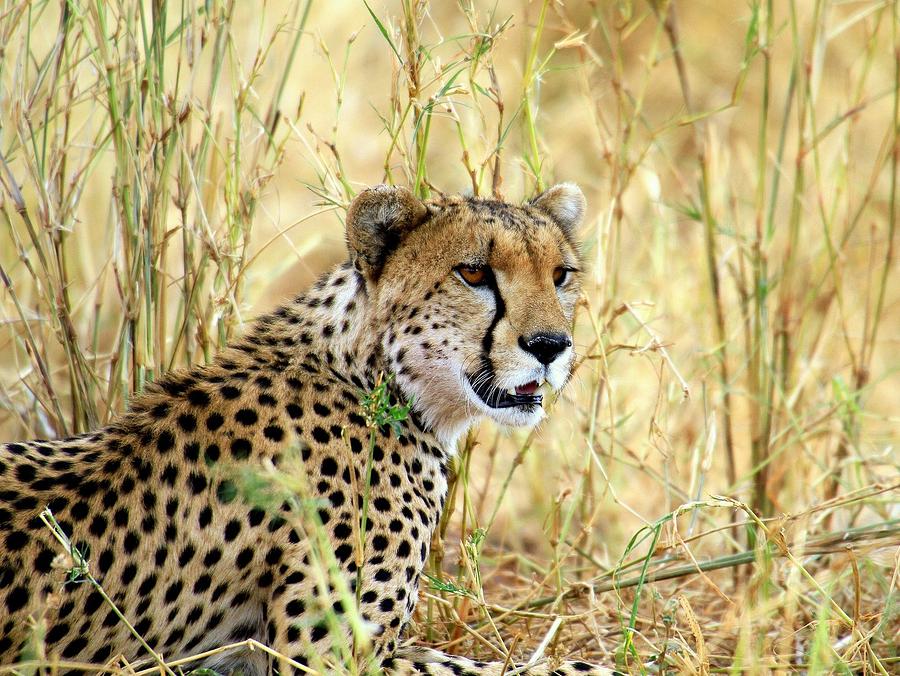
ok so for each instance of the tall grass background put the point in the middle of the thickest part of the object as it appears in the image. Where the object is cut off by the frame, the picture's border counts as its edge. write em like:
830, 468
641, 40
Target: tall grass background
717, 490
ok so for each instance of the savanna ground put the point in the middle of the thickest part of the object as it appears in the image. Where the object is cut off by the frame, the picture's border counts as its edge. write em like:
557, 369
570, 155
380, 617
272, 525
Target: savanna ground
718, 488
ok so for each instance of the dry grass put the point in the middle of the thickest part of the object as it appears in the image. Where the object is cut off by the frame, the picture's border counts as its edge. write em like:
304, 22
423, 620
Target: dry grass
718, 490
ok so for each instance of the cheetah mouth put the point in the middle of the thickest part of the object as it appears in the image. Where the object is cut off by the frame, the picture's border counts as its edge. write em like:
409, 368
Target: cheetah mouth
483, 383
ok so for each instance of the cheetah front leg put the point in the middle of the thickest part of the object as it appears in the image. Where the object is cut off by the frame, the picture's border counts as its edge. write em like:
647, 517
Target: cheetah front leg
314, 630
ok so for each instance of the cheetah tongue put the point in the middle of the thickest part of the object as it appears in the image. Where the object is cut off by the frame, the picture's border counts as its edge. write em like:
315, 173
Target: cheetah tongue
527, 388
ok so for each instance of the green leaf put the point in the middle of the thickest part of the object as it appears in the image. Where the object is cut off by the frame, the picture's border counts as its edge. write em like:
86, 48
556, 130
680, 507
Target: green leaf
383, 30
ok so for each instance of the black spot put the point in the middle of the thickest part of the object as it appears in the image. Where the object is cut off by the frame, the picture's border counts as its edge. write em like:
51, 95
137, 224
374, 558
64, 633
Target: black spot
160, 411
75, 647
127, 485
148, 500
173, 592
232, 530
187, 422
170, 474
61, 465
144, 470
143, 625
273, 432
201, 585
205, 517
321, 435
192, 451
105, 560
213, 557
329, 467
197, 482
246, 416
93, 602
195, 614
16, 540
43, 562
131, 542
25, 473
211, 454
295, 578
255, 517
98, 525
111, 619
274, 556
214, 421
240, 449
187, 555
148, 585
112, 465
343, 552
319, 632
17, 598
165, 441
244, 557
110, 498
198, 397
226, 491
101, 654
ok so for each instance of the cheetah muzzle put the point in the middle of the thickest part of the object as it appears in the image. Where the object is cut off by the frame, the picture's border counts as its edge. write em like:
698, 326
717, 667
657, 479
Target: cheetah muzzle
460, 306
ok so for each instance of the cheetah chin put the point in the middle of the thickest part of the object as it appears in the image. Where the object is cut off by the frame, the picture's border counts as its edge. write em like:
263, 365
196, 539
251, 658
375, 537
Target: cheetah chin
460, 307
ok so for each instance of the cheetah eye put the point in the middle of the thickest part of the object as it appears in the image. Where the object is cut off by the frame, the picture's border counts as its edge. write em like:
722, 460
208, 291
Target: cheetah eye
560, 275
474, 275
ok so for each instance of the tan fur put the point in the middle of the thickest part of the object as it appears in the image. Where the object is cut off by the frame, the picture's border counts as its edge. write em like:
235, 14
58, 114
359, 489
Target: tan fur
155, 499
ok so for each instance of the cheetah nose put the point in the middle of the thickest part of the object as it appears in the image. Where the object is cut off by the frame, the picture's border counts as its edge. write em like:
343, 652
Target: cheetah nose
545, 346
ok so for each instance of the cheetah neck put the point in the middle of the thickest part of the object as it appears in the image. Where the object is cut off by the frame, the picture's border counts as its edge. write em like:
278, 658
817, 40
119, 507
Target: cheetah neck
340, 300
332, 320
333, 326
329, 326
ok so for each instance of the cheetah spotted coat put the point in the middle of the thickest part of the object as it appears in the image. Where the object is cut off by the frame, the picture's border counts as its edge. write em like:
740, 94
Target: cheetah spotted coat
158, 500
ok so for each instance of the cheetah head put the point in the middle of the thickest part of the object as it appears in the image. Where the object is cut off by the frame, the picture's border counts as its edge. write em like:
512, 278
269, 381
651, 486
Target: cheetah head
472, 299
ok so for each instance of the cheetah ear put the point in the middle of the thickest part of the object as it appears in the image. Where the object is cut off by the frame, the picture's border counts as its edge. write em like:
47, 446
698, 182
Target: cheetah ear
565, 204
377, 221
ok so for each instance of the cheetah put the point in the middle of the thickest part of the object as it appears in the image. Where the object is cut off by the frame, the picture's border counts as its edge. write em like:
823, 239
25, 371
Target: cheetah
459, 307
